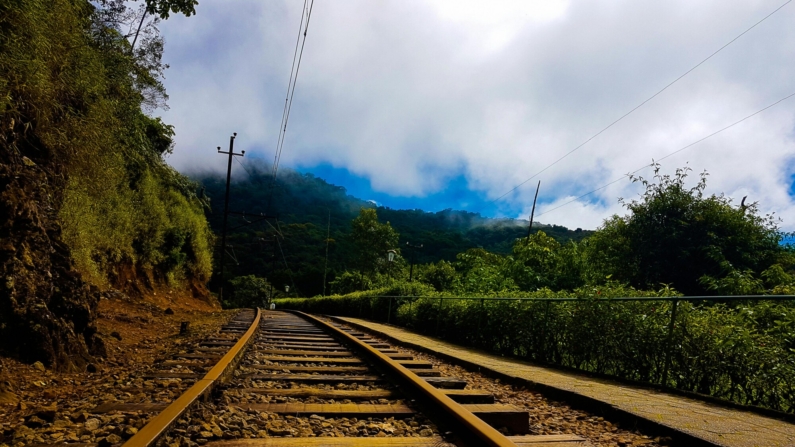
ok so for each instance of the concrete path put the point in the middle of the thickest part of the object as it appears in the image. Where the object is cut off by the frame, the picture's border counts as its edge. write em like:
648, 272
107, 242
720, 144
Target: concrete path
715, 424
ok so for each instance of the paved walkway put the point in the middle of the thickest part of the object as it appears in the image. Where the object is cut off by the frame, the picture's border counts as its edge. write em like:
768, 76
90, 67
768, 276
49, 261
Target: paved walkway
719, 425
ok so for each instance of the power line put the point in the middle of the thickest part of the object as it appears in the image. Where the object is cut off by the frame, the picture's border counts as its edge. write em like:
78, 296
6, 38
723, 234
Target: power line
671, 154
290, 95
644, 102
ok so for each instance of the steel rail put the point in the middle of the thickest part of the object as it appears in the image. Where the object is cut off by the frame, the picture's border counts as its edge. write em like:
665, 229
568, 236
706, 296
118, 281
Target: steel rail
483, 433
149, 433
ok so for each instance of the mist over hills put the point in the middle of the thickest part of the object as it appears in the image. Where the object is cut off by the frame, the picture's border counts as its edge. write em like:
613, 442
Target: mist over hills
308, 207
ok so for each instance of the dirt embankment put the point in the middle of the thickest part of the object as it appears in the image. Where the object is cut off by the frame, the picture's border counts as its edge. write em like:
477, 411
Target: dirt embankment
46, 311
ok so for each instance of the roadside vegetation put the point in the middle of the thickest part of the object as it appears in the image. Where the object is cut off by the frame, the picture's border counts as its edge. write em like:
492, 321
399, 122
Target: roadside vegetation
557, 303
78, 93
87, 199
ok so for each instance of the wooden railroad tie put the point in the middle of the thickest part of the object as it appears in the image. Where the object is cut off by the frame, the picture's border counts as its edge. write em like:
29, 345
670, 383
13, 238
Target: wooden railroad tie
288, 359
323, 394
460, 396
438, 382
304, 339
314, 378
515, 419
304, 347
410, 364
431, 441
326, 369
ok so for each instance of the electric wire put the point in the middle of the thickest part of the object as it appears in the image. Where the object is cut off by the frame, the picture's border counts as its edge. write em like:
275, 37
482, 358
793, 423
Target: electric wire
644, 102
289, 270
290, 95
290, 79
669, 155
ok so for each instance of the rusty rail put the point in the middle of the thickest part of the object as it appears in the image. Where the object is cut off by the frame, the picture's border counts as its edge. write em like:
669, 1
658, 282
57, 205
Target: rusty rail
149, 433
473, 426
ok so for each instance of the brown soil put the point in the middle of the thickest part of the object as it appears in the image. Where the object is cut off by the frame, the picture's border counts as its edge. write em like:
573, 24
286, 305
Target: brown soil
135, 332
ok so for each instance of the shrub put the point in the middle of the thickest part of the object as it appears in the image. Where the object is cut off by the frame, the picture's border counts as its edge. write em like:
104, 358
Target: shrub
737, 351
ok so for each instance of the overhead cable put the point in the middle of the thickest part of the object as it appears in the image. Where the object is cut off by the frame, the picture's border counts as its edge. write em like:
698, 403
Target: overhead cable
288, 101
669, 155
644, 102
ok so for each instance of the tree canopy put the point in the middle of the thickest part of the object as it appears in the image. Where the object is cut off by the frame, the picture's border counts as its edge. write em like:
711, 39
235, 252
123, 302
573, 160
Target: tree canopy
679, 236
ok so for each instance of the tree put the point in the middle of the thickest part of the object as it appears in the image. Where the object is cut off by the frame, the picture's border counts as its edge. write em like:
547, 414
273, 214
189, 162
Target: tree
483, 272
677, 236
249, 291
372, 240
540, 261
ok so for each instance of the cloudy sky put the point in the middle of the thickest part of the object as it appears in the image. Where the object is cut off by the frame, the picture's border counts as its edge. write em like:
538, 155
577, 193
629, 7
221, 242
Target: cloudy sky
452, 103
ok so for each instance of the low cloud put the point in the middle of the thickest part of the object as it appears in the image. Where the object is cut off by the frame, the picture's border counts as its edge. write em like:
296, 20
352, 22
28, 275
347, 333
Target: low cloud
409, 94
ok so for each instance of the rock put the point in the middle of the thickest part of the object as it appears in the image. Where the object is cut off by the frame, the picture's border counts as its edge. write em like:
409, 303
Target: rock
50, 324
39, 366
47, 413
7, 397
79, 416
22, 431
113, 438
35, 422
92, 424
116, 335
426, 432
130, 432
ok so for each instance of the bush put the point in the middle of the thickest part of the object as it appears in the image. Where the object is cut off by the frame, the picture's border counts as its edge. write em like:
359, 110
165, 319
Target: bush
741, 352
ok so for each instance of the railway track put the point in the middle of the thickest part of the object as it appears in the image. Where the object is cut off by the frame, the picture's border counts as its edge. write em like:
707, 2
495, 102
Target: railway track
281, 379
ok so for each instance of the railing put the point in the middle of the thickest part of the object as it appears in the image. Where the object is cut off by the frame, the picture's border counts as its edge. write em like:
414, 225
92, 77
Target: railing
674, 299
650, 339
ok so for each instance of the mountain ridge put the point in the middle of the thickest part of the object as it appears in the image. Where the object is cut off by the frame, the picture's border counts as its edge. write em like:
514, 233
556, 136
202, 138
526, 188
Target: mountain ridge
308, 207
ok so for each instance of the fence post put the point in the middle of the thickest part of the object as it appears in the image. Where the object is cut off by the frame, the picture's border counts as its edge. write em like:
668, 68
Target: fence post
667, 364
438, 316
480, 316
546, 332
389, 312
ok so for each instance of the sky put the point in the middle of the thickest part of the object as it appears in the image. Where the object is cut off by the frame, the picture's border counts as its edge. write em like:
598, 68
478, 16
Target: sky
452, 104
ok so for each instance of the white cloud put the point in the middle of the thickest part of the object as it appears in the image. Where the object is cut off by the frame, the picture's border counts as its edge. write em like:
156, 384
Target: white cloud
409, 94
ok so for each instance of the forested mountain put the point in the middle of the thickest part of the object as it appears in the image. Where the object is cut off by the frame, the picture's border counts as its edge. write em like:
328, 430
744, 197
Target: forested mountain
307, 207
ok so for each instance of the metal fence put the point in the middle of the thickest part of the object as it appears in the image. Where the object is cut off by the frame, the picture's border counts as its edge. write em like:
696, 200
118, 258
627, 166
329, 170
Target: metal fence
393, 302
733, 347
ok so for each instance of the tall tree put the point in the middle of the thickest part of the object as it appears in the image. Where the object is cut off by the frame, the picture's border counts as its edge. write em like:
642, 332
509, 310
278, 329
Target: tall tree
678, 236
372, 240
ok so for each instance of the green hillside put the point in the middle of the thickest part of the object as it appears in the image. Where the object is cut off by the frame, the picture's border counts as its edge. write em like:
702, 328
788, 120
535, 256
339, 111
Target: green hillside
303, 204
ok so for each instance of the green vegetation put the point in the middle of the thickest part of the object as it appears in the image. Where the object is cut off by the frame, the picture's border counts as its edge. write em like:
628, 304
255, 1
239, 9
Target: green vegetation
743, 353
304, 204
674, 238
700, 245
249, 291
76, 93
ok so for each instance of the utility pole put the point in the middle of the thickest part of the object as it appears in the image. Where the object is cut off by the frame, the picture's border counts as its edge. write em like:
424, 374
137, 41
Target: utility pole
532, 212
231, 154
325, 266
413, 254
